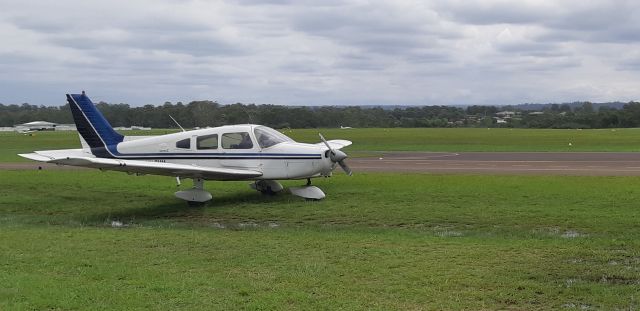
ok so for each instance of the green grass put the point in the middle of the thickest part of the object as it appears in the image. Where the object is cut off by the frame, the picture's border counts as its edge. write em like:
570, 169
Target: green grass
479, 139
379, 241
12, 143
397, 139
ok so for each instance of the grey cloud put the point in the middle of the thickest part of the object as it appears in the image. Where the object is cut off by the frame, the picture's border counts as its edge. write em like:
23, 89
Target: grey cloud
302, 67
10, 59
307, 52
199, 44
532, 48
493, 12
587, 16
264, 2
428, 57
595, 21
615, 34
629, 64
387, 31
360, 63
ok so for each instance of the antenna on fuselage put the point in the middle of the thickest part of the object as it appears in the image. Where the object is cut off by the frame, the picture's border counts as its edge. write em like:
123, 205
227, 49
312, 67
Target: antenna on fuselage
247, 113
174, 120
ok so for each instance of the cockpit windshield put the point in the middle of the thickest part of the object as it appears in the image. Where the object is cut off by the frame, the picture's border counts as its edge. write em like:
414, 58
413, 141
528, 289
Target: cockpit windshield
268, 137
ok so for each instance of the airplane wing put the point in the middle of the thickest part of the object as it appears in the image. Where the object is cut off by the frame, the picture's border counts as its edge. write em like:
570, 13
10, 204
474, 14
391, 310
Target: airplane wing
141, 167
336, 143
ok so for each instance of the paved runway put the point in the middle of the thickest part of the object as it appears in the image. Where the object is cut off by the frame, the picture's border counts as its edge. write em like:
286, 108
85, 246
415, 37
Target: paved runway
538, 163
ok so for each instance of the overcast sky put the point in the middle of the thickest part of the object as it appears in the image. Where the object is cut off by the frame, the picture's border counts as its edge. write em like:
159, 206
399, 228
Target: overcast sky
320, 52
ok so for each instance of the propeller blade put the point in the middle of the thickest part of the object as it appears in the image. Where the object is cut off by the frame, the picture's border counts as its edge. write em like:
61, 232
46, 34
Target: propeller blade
345, 168
325, 142
337, 156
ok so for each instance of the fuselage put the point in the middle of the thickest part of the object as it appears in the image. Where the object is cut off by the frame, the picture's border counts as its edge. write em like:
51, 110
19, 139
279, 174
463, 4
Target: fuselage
251, 147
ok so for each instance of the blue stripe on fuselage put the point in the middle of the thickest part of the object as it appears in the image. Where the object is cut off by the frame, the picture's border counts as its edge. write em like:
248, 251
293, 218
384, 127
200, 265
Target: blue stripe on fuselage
183, 155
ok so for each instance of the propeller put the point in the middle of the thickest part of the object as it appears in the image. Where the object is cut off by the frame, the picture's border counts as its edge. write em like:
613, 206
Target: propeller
337, 156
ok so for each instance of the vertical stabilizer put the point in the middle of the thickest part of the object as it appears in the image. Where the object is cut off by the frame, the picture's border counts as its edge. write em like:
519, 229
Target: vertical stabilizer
84, 144
96, 131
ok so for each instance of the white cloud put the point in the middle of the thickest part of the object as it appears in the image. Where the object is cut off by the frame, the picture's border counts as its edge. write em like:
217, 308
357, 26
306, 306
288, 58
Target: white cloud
329, 52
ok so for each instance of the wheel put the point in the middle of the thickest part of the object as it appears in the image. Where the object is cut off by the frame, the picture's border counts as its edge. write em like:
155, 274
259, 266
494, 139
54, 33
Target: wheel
196, 203
268, 191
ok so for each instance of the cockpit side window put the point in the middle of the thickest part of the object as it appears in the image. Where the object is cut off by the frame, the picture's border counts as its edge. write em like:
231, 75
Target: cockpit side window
184, 144
268, 137
239, 140
207, 142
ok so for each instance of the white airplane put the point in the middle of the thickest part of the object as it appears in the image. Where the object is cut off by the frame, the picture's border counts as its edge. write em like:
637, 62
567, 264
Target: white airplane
234, 152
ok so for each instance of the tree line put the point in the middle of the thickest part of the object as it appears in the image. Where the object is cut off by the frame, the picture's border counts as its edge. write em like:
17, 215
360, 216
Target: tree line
209, 113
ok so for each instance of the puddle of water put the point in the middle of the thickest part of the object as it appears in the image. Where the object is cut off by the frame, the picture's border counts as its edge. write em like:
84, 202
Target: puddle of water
572, 234
218, 225
448, 233
247, 225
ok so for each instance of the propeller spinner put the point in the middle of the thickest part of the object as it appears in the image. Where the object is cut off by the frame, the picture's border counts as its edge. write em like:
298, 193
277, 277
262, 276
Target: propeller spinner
337, 156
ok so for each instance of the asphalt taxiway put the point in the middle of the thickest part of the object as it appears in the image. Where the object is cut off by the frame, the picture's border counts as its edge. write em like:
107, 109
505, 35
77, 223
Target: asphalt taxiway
490, 163
539, 163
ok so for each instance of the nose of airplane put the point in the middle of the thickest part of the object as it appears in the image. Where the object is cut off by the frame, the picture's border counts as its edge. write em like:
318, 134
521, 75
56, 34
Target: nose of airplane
337, 156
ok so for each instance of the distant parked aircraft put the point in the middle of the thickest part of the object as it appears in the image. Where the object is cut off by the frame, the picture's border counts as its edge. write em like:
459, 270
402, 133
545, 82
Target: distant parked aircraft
35, 126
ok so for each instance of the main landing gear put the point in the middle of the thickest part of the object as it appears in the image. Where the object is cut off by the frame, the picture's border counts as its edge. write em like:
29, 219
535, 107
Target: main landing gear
267, 187
195, 196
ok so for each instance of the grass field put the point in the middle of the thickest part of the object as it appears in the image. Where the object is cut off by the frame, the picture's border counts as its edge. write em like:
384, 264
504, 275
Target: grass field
480, 139
83, 239
379, 241
398, 139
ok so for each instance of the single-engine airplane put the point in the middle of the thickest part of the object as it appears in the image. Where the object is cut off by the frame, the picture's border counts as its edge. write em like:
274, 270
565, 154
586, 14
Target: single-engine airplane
235, 152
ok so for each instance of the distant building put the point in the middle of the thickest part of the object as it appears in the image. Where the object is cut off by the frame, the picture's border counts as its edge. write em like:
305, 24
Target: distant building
506, 114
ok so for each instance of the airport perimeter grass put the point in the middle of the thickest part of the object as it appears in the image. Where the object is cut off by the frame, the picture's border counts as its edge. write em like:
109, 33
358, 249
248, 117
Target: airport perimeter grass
480, 139
92, 240
396, 139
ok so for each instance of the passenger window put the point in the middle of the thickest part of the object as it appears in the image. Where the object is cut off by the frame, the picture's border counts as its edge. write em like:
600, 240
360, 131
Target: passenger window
236, 141
208, 141
184, 144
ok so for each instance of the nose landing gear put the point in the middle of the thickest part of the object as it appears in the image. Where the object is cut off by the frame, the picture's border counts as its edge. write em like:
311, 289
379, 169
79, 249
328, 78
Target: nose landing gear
308, 191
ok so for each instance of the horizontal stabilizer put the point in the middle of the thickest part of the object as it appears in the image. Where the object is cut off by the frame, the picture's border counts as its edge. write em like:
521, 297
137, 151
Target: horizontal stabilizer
35, 157
48, 155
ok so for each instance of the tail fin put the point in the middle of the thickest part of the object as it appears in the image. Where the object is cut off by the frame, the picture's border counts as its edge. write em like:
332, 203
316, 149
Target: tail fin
93, 127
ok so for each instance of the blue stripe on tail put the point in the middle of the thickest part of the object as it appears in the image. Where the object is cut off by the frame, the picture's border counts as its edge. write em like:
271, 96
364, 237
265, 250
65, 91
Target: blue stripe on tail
93, 127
